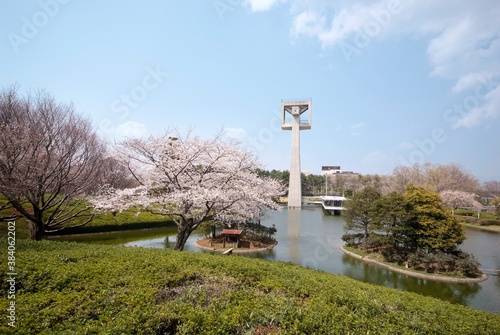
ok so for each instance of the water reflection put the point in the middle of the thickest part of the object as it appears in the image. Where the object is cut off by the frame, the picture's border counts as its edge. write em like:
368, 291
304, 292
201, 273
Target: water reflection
293, 220
454, 293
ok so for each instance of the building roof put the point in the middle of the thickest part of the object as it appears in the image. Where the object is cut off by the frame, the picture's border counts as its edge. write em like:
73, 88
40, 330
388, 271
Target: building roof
332, 197
232, 232
330, 167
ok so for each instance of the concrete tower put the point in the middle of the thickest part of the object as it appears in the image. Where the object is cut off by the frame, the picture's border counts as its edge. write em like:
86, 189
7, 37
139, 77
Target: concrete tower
295, 124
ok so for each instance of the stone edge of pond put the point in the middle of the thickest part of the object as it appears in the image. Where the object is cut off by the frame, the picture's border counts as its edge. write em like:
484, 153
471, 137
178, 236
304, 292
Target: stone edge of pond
236, 251
418, 275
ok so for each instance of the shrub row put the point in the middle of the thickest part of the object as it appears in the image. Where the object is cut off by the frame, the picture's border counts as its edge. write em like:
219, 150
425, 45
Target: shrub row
459, 263
127, 220
481, 222
69, 288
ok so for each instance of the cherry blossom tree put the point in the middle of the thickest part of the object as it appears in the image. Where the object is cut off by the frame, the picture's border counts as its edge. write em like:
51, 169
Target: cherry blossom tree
191, 181
459, 199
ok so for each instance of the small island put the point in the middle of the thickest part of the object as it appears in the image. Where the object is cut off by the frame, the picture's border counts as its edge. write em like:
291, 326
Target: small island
252, 238
410, 233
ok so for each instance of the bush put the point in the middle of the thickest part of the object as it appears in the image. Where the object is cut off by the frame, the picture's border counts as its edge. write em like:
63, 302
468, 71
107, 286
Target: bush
489, 222
481, 222
394, 256
353, 239
459, 263
372, 244
69, 288
468, 219
446, 263
417, 259
468, 267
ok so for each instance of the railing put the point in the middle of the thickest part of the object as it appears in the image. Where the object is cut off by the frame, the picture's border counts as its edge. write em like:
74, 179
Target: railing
297, 100
289, 121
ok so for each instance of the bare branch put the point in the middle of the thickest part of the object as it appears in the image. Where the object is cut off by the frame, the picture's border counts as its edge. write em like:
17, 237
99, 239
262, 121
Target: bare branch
50, 156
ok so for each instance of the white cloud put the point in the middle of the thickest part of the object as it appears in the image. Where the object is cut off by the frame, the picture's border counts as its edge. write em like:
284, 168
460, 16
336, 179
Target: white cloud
261, 5
469, 81
309, 24
489, 110
374, 157
130, 129
238, 134
348, 21
358, 125
463, 36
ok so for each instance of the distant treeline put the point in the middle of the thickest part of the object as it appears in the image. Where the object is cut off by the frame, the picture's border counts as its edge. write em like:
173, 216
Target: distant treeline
433, 177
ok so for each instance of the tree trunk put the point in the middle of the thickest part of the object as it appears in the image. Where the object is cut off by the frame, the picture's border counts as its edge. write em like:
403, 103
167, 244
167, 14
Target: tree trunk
35, 230
182, 236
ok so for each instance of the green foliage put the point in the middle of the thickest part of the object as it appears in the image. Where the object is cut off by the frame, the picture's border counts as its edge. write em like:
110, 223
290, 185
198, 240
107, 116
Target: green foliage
358, 214
432, 227
208, 228
69, 288
474, 220
412, 228
482, 215
112, 221
259, 229
312, 184
459, 263
486, 222
283, 176
496, 203
116, 221
389, 214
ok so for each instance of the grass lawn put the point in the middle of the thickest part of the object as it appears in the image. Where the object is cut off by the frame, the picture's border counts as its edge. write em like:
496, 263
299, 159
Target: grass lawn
491, 227
70, 288
127, 220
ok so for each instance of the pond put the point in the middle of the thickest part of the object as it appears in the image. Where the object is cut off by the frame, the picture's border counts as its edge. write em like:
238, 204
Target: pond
312, 238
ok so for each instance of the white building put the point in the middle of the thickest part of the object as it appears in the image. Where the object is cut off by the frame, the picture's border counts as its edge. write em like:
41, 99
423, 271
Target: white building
331, 170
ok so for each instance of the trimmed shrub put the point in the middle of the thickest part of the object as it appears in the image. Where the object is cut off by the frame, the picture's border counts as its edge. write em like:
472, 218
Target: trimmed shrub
70, 288
489, 222
468, 219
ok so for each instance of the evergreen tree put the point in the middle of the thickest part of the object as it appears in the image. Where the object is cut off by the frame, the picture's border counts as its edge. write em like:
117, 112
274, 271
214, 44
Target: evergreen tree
359, 211
432, 228
389, 215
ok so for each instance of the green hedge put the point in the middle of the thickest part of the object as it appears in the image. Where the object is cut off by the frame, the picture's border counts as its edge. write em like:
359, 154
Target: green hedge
127, 220
475, 220
69, 288
482, 215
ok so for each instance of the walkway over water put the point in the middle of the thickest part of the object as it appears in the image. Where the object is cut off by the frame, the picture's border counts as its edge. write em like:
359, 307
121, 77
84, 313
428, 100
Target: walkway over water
331, 204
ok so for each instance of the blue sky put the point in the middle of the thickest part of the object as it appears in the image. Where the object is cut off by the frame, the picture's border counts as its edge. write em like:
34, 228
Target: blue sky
392, 82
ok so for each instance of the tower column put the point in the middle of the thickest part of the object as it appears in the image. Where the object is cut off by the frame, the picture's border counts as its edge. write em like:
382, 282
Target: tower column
295, 186
295, 108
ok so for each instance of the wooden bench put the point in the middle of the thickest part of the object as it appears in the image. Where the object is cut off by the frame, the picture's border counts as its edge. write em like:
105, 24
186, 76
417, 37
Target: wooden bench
228, 252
